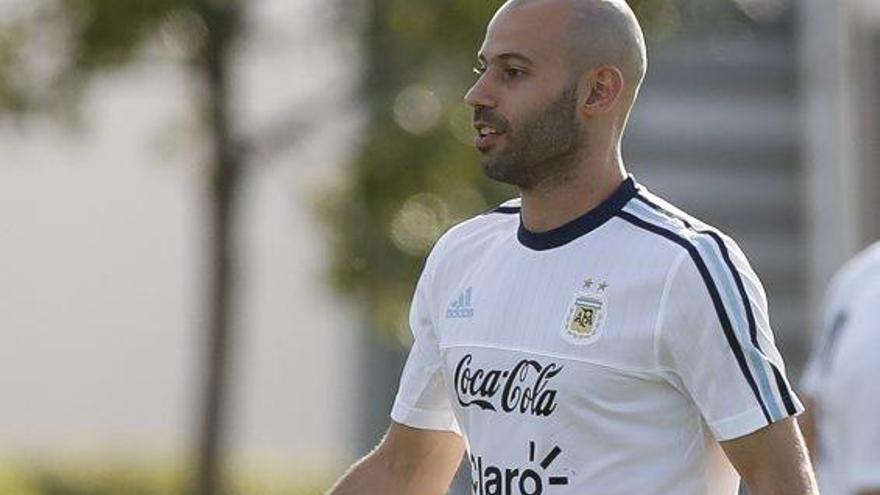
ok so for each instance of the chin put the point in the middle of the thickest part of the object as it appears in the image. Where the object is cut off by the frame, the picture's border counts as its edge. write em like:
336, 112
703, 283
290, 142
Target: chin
498, 172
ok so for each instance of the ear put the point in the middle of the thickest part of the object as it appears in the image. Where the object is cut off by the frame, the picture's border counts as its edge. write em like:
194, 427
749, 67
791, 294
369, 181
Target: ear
602, 89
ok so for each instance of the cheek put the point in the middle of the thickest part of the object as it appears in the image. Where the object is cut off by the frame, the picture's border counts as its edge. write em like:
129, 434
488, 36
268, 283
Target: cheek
518, 109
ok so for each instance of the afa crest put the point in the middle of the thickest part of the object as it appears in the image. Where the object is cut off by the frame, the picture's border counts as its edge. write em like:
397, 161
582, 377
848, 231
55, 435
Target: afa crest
584, 318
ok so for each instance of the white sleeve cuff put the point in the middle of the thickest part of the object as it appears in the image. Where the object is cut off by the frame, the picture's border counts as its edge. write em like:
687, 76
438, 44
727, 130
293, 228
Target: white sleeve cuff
423, 418
739, 425
747, 422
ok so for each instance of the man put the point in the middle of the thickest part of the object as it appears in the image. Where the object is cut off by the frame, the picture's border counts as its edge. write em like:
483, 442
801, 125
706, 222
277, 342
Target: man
587, 338
842, 382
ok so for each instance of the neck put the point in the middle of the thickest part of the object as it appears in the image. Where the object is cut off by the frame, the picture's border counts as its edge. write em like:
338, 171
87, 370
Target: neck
551, 205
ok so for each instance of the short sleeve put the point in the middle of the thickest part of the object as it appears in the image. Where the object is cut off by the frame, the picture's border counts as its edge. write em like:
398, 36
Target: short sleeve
833, 320
714, 340
820, 355
422, 398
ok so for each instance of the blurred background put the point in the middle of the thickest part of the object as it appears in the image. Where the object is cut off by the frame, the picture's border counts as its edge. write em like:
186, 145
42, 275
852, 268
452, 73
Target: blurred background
213, 212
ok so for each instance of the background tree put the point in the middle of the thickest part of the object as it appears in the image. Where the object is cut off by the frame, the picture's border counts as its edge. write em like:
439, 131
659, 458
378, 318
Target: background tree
50, 51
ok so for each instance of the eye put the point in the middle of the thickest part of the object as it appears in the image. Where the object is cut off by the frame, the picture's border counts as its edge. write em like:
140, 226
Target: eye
478, 70
513, 73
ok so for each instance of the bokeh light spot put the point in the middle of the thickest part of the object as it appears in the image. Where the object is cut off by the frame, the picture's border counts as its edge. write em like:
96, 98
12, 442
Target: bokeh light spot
183, 33
418, 223
417, 109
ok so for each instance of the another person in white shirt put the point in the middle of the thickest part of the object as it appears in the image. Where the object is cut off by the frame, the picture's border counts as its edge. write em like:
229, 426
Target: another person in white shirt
842, 382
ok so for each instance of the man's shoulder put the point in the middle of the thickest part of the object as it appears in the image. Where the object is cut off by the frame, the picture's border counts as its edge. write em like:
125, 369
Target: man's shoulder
669, 223
476, 231
701, 256
857, 272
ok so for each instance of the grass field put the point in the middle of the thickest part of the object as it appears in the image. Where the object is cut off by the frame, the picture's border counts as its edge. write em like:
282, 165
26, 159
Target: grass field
127, 480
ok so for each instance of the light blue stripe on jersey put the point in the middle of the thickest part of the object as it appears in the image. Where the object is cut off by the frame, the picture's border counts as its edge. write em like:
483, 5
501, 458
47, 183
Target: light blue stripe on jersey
732, 305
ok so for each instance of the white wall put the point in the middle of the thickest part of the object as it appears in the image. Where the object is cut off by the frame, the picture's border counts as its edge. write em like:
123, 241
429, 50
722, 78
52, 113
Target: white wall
101, 268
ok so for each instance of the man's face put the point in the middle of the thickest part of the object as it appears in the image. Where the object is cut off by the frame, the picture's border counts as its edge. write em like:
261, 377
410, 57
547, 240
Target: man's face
525, 99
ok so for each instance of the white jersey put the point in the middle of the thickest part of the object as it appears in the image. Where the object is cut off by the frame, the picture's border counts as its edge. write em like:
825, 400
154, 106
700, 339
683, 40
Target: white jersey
842, 378
607, 356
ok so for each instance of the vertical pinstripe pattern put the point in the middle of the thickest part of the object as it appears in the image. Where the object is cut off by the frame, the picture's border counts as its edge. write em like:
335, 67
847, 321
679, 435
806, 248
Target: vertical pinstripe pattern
782, 387
734, 301
723, 318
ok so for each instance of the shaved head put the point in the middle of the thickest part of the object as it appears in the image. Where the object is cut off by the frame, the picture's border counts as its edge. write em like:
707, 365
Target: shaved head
558, 80
602, 32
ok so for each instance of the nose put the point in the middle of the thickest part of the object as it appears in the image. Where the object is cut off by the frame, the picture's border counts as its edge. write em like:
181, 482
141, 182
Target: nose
479, 94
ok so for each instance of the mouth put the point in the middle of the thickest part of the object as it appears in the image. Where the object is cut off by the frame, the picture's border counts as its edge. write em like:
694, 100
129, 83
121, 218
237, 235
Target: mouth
487, 136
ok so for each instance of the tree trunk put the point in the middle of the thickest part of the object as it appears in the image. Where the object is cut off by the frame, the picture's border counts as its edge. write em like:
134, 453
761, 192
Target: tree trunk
224, 179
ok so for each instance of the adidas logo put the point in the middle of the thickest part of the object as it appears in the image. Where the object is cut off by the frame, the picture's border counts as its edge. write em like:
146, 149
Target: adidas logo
461, 306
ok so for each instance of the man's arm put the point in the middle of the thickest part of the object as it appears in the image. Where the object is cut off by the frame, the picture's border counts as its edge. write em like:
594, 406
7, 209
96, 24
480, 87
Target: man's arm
773, 460
408, 461
807, 422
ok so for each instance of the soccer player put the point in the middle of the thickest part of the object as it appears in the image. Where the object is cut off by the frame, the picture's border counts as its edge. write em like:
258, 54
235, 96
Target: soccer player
587, 338
842, 383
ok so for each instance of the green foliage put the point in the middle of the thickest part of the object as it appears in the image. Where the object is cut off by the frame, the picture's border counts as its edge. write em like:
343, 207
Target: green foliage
416, 174
127, 480
49, 50
108, 32
13, 89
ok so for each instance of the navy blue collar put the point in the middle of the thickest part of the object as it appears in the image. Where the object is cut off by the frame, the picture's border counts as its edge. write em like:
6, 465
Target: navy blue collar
589, 221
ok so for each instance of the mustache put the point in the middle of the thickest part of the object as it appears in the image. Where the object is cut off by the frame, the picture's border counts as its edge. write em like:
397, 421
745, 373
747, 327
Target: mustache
483, 114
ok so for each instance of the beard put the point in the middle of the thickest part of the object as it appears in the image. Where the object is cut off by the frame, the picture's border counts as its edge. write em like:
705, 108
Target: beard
543, 149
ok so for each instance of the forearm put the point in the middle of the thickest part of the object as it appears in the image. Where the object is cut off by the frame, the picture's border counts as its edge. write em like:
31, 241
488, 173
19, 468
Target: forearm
788, 475
807, 424
372, 475
774, 461
788, 480
407, 462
